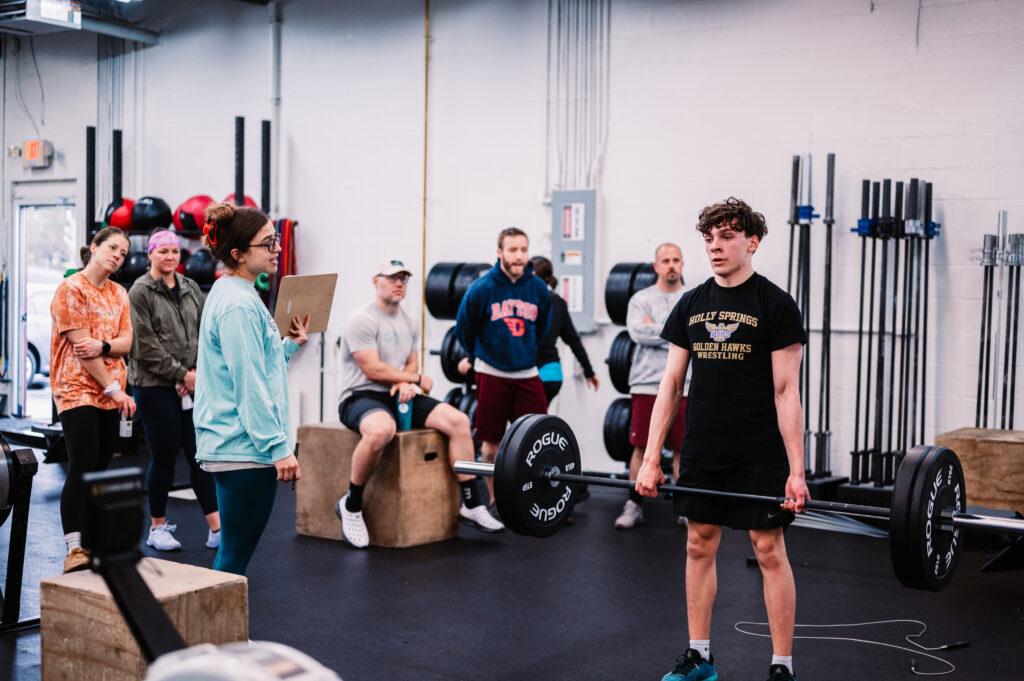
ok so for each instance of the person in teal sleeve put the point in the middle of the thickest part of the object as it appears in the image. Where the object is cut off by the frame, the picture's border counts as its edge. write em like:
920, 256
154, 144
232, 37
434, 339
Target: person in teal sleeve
241, 398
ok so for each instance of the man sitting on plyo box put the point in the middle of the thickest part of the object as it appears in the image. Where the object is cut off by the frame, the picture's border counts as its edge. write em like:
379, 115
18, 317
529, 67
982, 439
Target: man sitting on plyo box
380, 374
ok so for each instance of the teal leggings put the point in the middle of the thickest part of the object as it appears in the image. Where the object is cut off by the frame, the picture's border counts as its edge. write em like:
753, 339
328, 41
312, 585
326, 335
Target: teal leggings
245, 498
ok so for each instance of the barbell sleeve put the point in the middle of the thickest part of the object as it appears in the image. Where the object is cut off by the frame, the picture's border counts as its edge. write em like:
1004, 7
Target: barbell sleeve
474, 468
972, 522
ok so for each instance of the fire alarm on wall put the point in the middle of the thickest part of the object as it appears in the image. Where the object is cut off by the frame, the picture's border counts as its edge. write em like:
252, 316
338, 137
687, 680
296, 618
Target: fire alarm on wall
38, 153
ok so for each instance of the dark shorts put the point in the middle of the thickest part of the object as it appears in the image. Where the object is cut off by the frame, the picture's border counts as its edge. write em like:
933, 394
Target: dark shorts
505, 399
640, 422
746, 478
362, 402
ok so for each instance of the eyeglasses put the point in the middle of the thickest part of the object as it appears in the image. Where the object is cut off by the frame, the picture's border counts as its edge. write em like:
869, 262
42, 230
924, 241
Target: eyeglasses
270, 244
396, 278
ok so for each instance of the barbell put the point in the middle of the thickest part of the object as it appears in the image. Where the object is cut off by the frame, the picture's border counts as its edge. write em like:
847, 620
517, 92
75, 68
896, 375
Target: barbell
539, 458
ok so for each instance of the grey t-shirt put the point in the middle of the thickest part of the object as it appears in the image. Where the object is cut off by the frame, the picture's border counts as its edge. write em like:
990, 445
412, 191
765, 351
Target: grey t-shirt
371, 328
651, 353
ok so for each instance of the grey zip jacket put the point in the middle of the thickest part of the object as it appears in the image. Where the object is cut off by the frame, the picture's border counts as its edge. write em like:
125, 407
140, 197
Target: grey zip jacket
166, 339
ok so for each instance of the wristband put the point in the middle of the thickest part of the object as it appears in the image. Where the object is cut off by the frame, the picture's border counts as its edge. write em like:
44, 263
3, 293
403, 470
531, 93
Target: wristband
419, 377
112, 389
105, 347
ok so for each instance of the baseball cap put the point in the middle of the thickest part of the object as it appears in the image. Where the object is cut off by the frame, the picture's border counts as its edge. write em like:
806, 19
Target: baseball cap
388, 267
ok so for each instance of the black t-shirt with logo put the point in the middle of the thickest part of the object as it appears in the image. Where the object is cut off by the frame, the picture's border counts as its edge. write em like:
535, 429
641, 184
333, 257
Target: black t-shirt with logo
731, 333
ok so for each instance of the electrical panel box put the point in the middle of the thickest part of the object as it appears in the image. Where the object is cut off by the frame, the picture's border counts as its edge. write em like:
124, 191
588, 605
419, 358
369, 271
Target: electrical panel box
573, 235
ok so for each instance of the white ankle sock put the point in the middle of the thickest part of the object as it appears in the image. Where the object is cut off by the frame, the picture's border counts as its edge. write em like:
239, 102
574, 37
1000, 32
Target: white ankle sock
73, 540
786, 660
702, 647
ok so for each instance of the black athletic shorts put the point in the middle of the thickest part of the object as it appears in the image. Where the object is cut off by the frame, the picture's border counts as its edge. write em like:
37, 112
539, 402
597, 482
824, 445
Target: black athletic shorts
360, 403
767, 479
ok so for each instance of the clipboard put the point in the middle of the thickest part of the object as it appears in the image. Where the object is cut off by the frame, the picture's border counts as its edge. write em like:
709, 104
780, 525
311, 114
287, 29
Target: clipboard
302, 294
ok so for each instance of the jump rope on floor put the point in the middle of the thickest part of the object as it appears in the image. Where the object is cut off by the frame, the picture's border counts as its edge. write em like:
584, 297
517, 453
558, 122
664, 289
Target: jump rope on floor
917, 649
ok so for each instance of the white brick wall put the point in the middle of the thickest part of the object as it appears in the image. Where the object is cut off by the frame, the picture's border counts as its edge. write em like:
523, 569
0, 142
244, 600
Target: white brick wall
708, 99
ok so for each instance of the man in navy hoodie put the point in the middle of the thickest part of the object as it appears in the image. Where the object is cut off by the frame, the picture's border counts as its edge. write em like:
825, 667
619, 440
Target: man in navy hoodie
501, 321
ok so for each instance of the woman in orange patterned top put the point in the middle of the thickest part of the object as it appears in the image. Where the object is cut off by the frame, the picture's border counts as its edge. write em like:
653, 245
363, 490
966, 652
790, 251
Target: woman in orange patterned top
92, 333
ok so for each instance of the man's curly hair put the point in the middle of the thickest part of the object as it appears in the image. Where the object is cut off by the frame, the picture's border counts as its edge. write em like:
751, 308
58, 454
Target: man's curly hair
733, 213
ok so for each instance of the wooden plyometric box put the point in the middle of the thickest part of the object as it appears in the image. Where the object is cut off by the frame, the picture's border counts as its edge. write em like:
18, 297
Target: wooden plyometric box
993, 463
411, 499
83, 635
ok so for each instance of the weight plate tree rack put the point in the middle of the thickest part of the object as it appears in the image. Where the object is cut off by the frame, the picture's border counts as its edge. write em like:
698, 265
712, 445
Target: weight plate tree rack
616, 430
625, 279
447, 283
450, 354
536, 484
620, 360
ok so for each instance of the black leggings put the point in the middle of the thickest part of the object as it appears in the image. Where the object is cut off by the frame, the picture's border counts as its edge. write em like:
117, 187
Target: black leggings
168, 429
90, 434
551, 389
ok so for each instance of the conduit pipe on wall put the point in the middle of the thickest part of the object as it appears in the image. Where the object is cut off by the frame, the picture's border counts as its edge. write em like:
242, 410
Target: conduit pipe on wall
274, 12
423, 248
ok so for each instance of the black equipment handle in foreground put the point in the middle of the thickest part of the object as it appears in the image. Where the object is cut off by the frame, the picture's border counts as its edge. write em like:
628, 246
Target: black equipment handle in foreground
539, 454
114, 518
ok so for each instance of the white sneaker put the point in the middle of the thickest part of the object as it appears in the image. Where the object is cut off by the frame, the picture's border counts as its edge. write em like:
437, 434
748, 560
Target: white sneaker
162, 539
480, 518
213, 539
353, 529
631, 516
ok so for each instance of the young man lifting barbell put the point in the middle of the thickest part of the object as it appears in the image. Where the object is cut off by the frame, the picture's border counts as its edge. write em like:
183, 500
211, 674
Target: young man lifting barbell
744, 338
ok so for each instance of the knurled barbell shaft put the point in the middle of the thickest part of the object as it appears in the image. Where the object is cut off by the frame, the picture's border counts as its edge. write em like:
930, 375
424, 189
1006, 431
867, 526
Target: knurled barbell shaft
487, 470
969, 522
812, 504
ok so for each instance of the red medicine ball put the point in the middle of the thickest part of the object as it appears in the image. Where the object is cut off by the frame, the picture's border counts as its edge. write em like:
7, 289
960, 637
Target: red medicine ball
191, 215
249, 201
119, 214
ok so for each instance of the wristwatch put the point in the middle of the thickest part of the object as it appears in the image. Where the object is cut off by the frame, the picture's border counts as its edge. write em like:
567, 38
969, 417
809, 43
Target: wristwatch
106, 347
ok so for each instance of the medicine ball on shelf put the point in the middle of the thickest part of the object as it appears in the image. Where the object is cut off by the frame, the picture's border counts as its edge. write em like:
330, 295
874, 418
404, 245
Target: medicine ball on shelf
247, 200
185, 254
150, 212
201, 268
191, 214
119, 214
137, 262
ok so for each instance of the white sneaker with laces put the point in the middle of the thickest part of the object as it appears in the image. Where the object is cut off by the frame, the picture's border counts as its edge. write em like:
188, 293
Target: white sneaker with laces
162, 538
631, 516
213, 539
480, 518
353, 529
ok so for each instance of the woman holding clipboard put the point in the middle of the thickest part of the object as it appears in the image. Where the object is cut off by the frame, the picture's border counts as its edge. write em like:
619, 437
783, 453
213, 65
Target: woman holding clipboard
241, 401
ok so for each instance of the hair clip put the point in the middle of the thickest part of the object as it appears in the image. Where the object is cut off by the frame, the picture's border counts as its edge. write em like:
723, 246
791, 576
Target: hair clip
210, 232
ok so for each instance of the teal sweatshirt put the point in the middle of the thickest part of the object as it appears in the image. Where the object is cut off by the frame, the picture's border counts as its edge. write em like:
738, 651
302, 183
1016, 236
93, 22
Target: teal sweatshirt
241, 401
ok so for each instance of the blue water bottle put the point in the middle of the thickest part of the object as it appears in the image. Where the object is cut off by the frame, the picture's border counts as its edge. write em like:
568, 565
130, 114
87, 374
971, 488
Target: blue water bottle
404, 414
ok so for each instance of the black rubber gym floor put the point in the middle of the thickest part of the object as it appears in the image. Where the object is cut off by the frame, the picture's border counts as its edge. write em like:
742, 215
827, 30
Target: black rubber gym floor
589, 603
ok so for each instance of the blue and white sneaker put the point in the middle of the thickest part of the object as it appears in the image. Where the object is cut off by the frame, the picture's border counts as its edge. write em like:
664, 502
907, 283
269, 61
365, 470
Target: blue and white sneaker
691, 666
